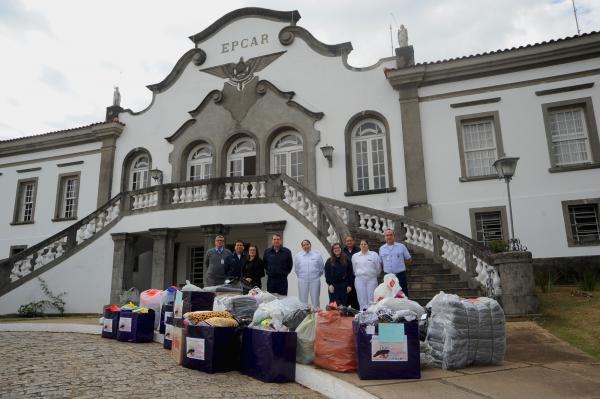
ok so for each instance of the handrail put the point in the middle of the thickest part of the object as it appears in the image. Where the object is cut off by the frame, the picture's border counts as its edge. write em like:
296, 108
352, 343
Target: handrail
470, 256
60, 245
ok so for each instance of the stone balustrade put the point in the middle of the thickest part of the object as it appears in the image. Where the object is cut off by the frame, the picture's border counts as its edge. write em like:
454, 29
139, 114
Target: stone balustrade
443, 244
63, 243
329, 219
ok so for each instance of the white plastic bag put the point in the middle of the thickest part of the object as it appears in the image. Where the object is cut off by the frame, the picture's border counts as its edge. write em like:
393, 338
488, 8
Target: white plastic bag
152, 299
388, 289
396, 304
305, 333
261, 296
277, 310
190, 287
130, 295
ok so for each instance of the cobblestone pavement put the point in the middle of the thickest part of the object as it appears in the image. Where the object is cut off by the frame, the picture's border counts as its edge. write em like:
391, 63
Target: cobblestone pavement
36, 364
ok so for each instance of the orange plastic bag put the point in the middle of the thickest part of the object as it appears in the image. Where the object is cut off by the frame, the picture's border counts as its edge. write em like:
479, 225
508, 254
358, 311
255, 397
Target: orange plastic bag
334, 342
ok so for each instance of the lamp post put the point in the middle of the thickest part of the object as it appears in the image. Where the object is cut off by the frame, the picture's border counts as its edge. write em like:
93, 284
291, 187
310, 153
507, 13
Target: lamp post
505, 168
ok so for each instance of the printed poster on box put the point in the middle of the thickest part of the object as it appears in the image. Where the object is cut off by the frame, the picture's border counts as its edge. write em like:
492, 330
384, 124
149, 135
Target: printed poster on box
125, 324
108, 323
195, 348
388, 351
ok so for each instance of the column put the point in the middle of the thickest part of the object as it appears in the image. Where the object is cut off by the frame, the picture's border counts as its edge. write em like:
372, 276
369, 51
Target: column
109, 136
163, 255
416, 190
516, 279
275, 227
123, 260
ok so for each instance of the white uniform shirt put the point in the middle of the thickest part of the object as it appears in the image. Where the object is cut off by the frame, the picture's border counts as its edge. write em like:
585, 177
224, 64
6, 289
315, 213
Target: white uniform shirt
366, 265
309, 265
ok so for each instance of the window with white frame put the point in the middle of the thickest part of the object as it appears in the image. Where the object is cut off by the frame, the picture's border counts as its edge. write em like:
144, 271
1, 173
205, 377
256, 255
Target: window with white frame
139, 176
479, 147
287, 156
200, 163
241, 158
488, 226
570, 144
572, 134
369, 162
68, 196
25, 201
584, 223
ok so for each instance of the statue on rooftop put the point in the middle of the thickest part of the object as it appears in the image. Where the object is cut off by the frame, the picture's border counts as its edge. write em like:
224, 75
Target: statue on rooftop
402, 37
116, 97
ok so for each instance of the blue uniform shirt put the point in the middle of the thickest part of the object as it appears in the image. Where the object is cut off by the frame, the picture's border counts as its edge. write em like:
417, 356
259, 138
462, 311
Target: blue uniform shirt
393, 257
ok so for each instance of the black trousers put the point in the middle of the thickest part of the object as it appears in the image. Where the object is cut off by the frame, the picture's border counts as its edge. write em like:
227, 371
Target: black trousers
340, 295
277, 285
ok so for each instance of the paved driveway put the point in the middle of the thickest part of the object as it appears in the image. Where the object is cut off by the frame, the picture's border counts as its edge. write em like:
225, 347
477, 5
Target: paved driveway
62, 365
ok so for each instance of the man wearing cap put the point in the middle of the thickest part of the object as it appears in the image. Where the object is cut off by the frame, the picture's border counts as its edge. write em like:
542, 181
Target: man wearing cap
395, 258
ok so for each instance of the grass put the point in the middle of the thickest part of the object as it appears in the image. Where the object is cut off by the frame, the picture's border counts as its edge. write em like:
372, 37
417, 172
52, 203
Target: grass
573, 319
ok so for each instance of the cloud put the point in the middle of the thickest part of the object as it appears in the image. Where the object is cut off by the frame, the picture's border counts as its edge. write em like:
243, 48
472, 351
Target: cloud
13, 14
55, 79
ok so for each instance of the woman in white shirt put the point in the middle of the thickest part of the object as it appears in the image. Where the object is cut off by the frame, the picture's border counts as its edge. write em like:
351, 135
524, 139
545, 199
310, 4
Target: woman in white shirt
309, 267
367, 266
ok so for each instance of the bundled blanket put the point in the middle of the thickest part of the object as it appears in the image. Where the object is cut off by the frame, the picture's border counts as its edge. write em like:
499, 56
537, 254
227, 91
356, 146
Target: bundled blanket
464, 332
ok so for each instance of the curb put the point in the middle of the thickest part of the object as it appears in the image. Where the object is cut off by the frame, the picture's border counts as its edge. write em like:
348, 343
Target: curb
319, 381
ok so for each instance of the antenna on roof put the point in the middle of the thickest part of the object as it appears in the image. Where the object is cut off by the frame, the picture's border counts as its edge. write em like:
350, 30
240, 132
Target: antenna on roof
391, 36
575, 14
391, 40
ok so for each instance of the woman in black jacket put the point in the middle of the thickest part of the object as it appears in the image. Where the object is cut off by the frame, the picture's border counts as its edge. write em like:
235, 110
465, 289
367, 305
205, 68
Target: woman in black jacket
254, 268
339, 275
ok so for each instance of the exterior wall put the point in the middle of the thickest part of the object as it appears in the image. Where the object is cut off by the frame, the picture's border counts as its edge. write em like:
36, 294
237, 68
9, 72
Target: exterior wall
536, 193
48, 175
86, 276
337, 91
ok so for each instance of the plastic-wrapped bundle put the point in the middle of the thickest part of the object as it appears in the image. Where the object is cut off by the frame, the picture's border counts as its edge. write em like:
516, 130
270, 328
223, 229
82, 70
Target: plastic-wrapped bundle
396, 304
242, 306
464, 332
293, 320
277, 310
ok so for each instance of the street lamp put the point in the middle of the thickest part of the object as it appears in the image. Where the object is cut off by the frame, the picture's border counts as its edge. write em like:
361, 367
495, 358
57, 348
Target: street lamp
505, 168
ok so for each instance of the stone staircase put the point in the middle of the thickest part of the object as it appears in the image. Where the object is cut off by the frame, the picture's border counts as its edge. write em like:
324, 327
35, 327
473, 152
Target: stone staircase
426, 278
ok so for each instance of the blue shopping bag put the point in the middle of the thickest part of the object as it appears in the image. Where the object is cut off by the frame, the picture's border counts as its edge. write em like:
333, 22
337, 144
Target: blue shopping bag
136, 327
269, 356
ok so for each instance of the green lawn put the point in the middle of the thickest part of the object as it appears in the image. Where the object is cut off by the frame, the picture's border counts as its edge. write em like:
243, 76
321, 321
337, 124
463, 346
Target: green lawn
572, 318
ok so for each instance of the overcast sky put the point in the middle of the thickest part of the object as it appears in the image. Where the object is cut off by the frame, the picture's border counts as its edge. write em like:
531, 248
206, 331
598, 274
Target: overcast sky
61, 58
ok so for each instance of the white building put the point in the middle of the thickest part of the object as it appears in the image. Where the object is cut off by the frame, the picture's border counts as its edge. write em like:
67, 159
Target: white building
135, 200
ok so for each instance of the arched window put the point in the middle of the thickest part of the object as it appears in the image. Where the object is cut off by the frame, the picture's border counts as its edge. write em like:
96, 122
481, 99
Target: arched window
369, 162
139, 176
241, 158
287, 156
200, 163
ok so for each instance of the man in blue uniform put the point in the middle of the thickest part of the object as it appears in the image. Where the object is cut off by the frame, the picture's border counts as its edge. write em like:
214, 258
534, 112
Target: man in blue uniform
395, 258
278, 264
235, 262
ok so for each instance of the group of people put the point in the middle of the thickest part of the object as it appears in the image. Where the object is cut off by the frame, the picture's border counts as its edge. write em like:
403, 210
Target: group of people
351, 272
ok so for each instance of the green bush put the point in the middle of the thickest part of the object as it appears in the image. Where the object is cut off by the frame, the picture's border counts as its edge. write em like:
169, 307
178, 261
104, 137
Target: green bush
36, 309
497, 246
588, 280
32, 309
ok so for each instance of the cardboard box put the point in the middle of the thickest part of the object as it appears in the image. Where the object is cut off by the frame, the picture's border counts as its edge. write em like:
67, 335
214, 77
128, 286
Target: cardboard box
178, 344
